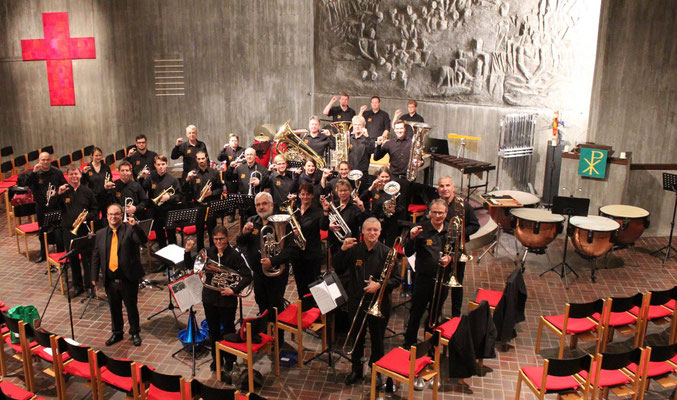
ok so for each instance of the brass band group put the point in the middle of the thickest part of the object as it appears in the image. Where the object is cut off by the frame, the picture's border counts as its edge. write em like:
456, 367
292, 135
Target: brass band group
299, 183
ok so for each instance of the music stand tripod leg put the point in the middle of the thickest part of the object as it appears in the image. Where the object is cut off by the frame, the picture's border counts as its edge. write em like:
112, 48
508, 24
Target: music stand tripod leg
170, 306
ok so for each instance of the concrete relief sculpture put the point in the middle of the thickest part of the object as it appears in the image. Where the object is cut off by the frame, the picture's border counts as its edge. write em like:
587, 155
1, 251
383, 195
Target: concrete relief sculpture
513, 52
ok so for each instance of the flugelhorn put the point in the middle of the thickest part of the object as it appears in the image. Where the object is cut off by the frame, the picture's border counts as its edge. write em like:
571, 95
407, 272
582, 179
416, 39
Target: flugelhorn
221, 276
252, 191
128, 203
203, 193
143, 170
336, 218
286, 135
288, 207
272, 239
50, 190
158, 199
416, 153
393, 189
78, 221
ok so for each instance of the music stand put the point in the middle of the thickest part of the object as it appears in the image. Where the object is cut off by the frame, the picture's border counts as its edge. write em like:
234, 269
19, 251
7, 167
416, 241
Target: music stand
326, 305
146, 226
50, 220
670, 185
242, 201
169, 257
220, 208
181, 218
569, 206
81, 244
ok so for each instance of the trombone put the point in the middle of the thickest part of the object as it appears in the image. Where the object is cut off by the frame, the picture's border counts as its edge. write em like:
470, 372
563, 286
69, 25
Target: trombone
455, 231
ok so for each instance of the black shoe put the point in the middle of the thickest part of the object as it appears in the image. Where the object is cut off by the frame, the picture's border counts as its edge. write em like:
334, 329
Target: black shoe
212, 366
77, 292
116, 337
228, 366
226, 377
353, 378
40, 259
379, 381
136, 339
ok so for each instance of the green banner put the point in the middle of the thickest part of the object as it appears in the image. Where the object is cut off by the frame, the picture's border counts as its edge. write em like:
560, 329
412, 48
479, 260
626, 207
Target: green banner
592, 163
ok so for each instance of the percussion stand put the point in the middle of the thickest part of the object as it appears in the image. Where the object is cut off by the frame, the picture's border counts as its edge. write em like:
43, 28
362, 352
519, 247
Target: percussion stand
669, 184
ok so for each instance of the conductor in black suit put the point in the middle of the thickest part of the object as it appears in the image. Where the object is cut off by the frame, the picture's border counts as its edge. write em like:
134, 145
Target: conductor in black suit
116, 254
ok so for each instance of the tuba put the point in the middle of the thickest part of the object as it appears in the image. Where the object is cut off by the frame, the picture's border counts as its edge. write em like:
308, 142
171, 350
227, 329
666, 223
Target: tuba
288, 207
416, 153
295, 145
393, 189
336, 218
272, 241
158, 199
342, 137
221, 276
203, 192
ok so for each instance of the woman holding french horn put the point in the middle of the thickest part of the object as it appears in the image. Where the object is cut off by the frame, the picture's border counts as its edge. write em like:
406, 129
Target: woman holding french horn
381, 202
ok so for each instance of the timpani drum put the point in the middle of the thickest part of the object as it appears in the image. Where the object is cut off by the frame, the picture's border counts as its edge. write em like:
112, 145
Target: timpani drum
536, 228
593, 236
633, 220
501, 215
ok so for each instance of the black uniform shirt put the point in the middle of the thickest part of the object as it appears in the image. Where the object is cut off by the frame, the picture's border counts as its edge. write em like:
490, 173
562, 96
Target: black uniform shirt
359, 154
280, 186
139, 161
251, 245
73, 202
155, 184
320, 144
376, 123
193, 188
242, 173
409, 131
38, 183
229, 154
188, 152
337, 114
427, 246
399, 151
95, 180
131, 189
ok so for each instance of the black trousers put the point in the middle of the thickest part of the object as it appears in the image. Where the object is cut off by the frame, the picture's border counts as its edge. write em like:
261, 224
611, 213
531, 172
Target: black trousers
269, 293
163, 235
200, 228
424, 287
377, 332
306, 270
216, 318
123, 291
80, 281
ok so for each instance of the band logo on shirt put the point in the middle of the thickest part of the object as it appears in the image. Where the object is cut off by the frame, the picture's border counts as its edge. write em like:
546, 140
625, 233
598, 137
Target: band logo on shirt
118, 194
153, 186
255, 231
197, 181
138, 162
369, 120
68, 200
188, 151
429, 242
358, 263
242, 176
278, 183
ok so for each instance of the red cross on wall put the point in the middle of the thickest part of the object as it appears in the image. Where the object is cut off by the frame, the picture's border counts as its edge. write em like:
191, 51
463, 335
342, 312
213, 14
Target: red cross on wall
58, 49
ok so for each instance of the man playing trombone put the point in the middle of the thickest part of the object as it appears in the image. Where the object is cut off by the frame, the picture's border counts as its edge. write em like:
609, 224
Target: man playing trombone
202, 186
361, 265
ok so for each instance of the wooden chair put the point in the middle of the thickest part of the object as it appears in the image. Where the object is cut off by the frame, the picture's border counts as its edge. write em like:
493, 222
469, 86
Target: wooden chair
45, 351
619, 318
19, 349
576, 321
417, 211
659, 308
660, 366
610, 373
562, 377
65, 161
53, 261
116, 373
22, 228
47, 149
293, 319
248, 348
156, 386
8, 390
405, 366
80, 362
5, 152
198, 390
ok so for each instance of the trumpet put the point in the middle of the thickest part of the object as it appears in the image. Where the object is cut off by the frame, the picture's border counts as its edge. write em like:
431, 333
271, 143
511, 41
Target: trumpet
143, 170
288, 207
336, 218
106, 180
252, 191
272, 241
355, 176
78, 221
50, 189
393, 189
158, 199
203, 193
374, 308
221, 276
240, 159
128, 203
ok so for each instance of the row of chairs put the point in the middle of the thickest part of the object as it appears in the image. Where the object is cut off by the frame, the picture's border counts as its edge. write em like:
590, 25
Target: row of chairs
597, 321
592, 377
66, 357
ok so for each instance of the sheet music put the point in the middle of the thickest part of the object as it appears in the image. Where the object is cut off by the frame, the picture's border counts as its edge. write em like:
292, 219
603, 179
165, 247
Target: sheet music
323, 297
412, 261
187, 291
334, 291
172, 253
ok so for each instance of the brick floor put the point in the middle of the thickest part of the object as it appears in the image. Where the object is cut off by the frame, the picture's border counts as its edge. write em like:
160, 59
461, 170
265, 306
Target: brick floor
24, 282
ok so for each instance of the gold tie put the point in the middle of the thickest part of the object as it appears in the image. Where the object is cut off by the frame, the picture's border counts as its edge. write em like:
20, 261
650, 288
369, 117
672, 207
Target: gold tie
113, 263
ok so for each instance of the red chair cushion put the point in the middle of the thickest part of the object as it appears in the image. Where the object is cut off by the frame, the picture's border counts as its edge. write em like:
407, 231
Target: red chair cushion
448, 328
491, 296
671, 304
655, 312
323, 234
13, 178
552, 383
121, 382
17, 346
397, 360
157, 394
289, 317
417, 208
77, 368
655, 368
152, 235
265, 339
574, 325
608, 377
7, 184
188, 230
47, 355
618, 318
56, 256
14, 392
31, 227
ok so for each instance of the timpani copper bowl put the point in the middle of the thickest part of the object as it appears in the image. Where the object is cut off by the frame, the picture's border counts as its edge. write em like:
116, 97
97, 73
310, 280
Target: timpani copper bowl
501, 215
536, 228
633, 220
593, 236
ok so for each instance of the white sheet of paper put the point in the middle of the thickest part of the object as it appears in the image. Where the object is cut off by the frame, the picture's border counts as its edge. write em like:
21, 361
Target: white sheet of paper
47, 350
172, 252
334, 291
412, 261
323, 298
71, 341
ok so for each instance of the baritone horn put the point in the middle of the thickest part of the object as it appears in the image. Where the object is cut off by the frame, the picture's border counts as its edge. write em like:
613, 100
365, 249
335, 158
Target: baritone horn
286, 135
272, 239
393, 189
416, 153
221, 276
158, 199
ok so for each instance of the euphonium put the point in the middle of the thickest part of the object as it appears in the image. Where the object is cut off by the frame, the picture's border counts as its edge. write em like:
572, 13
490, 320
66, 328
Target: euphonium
288, 207
342, 137
203, 192
158, 199
272, 241
222, 276
336, 218
393, 189
128, 202
78, 221
286, 135
416, 152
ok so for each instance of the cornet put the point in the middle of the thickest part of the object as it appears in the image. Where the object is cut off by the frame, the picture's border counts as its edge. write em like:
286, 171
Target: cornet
158, 199
252, 190
128, 203
336, 218
143, 170
50, 189
203, 193
78, 221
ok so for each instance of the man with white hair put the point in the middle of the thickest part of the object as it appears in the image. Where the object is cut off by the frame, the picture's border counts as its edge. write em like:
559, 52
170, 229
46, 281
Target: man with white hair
188, 150
242, 173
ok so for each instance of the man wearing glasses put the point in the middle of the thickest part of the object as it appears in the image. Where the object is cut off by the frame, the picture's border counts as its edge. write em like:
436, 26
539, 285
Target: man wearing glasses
116, 255
141, 158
